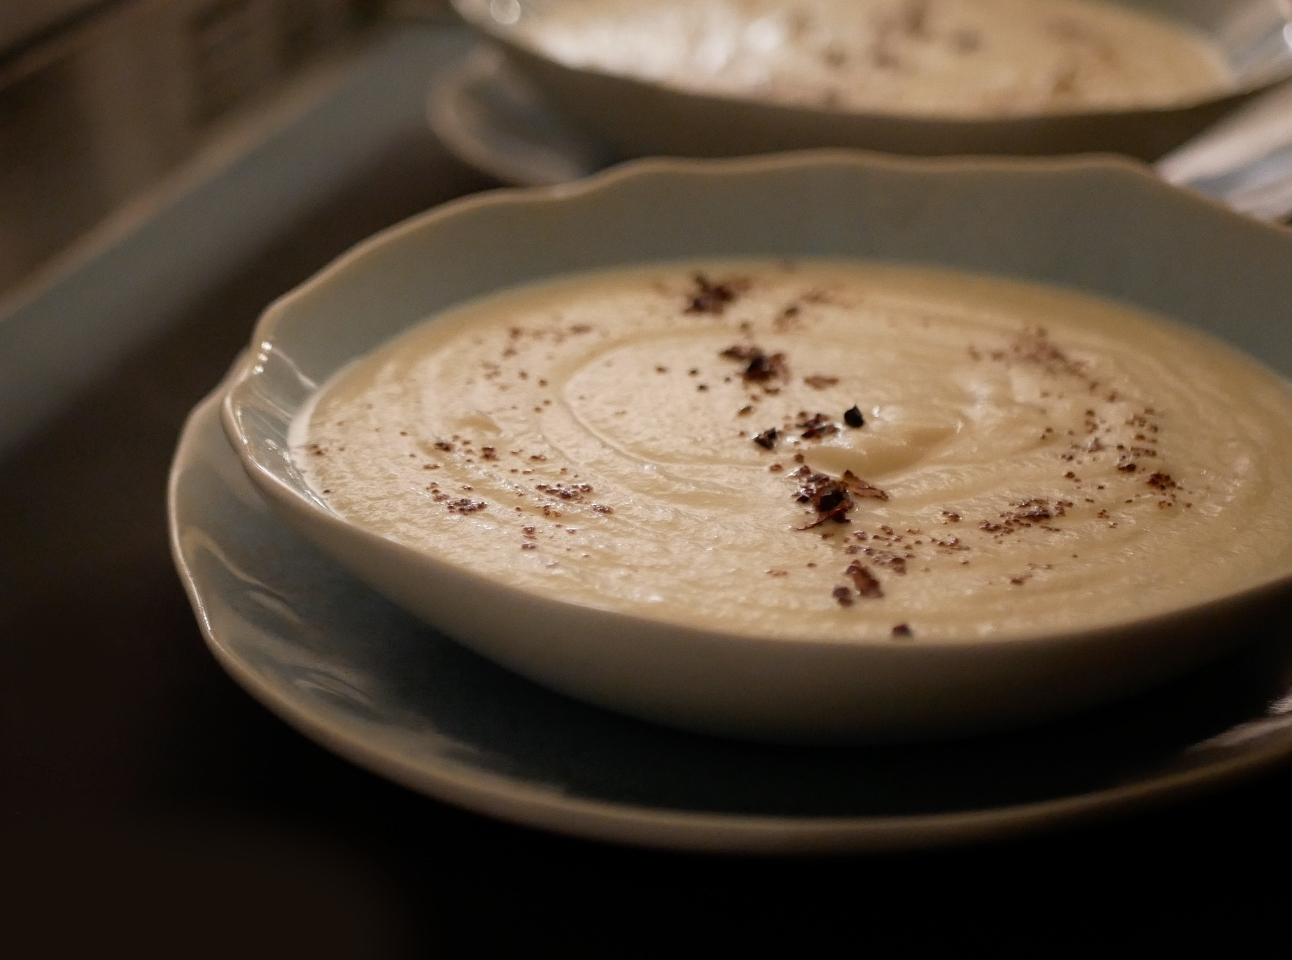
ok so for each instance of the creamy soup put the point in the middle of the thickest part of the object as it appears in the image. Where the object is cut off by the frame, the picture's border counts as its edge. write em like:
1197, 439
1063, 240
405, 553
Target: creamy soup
951, 58
821, 449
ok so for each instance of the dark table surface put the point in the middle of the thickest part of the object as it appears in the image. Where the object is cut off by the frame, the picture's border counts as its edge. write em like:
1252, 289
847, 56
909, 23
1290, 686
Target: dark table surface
147, 800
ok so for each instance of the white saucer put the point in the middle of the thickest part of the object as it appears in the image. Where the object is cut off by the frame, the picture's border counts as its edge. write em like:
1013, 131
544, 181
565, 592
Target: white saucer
492, 118
356, 674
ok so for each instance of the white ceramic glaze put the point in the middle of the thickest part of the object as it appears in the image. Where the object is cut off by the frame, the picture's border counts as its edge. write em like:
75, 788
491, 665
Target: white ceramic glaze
639, 117
1106, 227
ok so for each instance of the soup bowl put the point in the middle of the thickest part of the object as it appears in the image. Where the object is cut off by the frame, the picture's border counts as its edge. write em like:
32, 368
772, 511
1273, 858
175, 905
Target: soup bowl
1105, 227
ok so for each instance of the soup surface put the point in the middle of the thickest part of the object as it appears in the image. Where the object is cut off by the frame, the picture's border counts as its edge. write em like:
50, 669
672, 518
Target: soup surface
821, 449
947, 58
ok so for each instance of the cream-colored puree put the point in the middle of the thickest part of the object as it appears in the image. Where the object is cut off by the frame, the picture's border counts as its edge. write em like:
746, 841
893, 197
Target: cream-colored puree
949, 58
1030, 459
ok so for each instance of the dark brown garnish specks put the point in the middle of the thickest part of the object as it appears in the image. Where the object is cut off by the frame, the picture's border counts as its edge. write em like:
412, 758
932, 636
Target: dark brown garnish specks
709, 297
465, 505
1033, 512
573, 491
816, 425
830, 497
866, 583
760, 367
853, 418
808, 426
862, 488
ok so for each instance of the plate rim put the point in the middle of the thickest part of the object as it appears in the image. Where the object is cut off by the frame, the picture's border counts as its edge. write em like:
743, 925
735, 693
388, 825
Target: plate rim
504, 798
483, 64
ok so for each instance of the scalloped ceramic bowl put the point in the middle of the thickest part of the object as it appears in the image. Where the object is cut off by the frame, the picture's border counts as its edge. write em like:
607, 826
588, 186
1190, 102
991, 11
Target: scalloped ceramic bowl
642, 117
1103, 226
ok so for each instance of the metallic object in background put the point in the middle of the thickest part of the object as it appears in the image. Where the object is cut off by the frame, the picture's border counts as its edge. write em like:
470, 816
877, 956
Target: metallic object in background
1245, 160
94, 113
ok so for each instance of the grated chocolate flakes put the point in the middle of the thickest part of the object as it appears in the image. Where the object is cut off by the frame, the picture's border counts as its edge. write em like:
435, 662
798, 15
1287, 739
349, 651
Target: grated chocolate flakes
573, 491
862, 488
832, 498
760, 367
714, 298
817, 425
866, 583
465, 505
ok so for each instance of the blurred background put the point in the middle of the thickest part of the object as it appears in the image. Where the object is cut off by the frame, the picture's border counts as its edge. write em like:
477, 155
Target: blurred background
167, 169
150, 148
100, 99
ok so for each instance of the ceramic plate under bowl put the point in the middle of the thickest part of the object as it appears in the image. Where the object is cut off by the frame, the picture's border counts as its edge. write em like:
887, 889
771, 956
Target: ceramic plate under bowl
639, 117
491, 117
1104, 227
362, 677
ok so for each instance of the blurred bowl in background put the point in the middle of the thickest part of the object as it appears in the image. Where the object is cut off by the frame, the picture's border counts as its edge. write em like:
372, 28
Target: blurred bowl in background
637, 115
